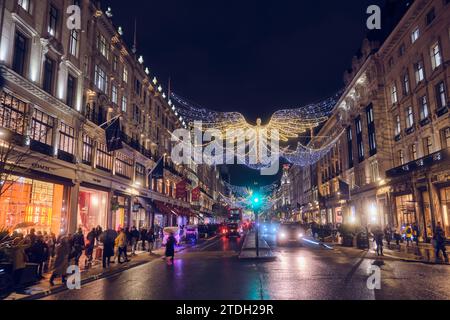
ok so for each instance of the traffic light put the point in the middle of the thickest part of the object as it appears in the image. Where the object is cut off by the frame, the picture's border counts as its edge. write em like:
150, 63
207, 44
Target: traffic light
256, 201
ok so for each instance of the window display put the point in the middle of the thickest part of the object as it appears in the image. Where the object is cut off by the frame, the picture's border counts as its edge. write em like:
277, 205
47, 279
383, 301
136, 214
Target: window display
32, 203
92, 209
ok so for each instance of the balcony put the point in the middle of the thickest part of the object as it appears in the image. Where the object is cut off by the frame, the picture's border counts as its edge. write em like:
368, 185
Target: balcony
92, 115
137, 146
410, 130
442, 111
425, 122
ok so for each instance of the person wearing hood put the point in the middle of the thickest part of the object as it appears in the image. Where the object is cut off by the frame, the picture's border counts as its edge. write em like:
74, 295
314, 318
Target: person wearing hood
61, 260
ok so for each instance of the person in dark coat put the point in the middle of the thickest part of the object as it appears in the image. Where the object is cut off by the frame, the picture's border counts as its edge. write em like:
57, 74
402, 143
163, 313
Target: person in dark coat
144, 238
170, 247
39, 254
439, 243
108, 238
90, 245
78, 245
151, 240
388, 235
378, 239
98, 233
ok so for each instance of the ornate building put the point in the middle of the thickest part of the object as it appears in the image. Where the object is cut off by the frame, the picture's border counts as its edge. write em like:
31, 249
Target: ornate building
61, 89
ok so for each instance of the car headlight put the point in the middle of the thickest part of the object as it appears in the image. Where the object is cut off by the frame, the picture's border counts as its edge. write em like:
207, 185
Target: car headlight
301, 235
283, 235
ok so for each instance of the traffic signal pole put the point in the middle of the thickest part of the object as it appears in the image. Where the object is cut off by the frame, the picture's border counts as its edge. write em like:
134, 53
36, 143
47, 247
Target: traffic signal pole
257, 233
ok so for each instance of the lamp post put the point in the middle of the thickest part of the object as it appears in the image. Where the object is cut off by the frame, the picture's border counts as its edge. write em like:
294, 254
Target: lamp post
256, 204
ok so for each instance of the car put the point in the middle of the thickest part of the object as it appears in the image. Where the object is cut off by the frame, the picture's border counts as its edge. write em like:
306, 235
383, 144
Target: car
269, 228
233, 230
290, 233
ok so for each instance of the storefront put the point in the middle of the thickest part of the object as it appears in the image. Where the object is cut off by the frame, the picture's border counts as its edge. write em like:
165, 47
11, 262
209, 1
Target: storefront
92, 209
141, 214
445, 204
405, 210
120, 208
34, 203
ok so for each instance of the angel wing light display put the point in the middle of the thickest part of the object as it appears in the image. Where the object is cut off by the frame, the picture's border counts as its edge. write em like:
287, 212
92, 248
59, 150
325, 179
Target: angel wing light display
289, 124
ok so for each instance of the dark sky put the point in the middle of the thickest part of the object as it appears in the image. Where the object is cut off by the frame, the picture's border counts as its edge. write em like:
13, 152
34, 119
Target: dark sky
252, 56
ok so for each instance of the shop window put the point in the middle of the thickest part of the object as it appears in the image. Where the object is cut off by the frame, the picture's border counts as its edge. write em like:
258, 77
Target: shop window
66, 142
445, 198
42, 131
35, 202
104, 158
88, 149
406, 211
12, 113
92, 209
124, 166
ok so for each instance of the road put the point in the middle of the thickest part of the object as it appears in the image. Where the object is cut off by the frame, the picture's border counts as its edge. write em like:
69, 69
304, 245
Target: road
311, 272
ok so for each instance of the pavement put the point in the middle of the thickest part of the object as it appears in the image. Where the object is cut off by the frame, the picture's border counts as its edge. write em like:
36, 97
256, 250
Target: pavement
96, 272
213, 271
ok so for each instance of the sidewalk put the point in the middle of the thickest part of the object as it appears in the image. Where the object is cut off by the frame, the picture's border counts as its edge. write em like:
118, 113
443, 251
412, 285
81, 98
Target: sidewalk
424, 253
96, 272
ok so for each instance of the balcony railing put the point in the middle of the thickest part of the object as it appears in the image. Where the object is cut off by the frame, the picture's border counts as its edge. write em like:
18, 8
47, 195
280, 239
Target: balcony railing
137, 146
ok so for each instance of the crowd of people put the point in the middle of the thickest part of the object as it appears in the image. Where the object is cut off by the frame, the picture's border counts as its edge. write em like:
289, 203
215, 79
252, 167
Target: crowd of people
54, 254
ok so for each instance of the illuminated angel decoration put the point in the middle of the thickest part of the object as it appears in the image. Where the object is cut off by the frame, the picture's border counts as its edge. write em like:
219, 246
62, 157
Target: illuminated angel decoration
288, 124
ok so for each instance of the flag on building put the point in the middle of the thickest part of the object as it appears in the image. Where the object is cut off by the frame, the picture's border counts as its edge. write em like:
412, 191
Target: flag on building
113, 136
158, 171
344, 189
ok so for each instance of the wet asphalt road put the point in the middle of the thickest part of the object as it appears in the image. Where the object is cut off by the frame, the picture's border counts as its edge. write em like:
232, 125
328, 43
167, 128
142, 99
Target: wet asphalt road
213, 272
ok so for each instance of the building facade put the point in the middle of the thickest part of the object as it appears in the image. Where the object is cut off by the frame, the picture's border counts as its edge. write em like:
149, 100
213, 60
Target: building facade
61, 89
390, 164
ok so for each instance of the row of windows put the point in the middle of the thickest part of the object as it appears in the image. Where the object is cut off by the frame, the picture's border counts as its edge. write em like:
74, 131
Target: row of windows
419, 71
424, 110
21, 47
428, 148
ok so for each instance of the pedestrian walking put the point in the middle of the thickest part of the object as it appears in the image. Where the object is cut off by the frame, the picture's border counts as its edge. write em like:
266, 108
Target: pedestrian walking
151, 240
108, 239
170, 248
409, 235
388, 235
144, 238
121, 243
62, 260
90, 245
378, 239
134, 234
19, 259
39, 254
439, 243
416, 233
78, 245
51, 251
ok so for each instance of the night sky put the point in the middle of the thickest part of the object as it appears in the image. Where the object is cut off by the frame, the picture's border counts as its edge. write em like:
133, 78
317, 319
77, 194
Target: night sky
250, 56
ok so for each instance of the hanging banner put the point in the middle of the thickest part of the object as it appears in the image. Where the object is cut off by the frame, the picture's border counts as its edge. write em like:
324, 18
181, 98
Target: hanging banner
181, 190
196, 194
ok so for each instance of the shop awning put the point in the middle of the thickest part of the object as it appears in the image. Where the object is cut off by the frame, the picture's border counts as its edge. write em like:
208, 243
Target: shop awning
169, 209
